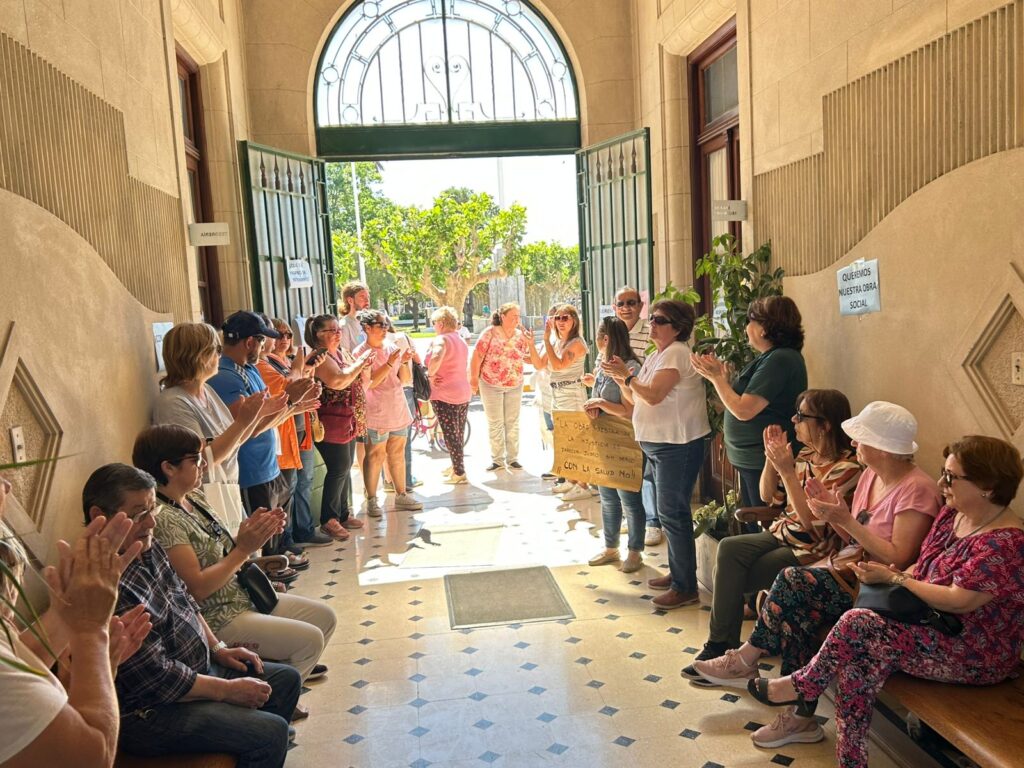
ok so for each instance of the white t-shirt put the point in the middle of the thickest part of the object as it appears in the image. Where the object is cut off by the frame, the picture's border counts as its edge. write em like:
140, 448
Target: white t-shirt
29, 702
682, 416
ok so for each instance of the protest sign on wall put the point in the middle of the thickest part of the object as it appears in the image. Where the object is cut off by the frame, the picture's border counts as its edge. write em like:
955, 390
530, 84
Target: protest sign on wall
602, 451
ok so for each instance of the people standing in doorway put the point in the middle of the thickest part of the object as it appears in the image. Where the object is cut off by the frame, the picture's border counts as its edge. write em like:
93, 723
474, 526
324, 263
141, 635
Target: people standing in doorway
766, 390
670, 419
355, 296
449, 387
565, 353
401, 340
629, 307
496, 372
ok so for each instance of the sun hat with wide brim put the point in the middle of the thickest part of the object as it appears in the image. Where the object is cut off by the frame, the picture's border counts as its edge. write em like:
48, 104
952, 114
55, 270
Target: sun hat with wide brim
885, 426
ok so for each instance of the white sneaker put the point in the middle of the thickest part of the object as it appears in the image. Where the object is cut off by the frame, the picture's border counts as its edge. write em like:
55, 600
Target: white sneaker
455, 480
577, 494
373, 508
563, 487
653, 536
407, 501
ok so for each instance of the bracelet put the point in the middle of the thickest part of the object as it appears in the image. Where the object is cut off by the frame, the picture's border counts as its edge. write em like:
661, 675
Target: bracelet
220, 646
628, 379
899, 579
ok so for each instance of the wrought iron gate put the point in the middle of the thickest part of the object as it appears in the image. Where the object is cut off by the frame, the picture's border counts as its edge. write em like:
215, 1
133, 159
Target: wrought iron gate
286, 219
616, 243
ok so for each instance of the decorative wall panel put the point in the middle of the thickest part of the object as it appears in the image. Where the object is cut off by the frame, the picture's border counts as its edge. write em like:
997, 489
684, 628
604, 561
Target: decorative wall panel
889, 133
63, 148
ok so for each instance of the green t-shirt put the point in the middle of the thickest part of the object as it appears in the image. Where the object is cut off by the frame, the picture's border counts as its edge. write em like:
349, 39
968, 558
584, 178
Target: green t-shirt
175, 527
779, 376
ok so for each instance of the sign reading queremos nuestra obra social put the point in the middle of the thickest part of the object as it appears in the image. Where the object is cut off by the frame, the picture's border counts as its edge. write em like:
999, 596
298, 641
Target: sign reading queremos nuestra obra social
299, 274
601, 451
859, 291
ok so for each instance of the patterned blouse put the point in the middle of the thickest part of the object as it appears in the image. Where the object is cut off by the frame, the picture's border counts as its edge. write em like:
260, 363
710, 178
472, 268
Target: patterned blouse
503, 358
991, 562
175, 526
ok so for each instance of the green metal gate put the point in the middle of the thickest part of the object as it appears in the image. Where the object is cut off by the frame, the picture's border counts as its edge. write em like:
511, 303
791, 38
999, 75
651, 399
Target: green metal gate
616, 244
286, 219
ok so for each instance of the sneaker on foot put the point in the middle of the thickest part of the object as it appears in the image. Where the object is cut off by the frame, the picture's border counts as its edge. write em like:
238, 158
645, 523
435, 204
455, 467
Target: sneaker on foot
514, 465
318, 671
788, 728
548, 476
494, 467
711, 650
660, 583
455, 480
407, 501
634, 562
447, 471
653, 536
335, 530
318, 540
605, 558
577, 493
563, 487
373, 507
672, 599
728, 670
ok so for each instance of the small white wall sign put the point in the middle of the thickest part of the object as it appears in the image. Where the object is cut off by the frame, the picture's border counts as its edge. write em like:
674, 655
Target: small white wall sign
211, 233
299, 274
159, 331
728, 210
859, 291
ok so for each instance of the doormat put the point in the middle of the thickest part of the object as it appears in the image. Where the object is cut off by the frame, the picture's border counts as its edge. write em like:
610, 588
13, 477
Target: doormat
515, 596
454, 546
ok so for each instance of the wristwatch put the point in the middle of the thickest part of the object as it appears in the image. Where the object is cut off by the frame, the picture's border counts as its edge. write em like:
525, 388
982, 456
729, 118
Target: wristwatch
628, 379
220, 646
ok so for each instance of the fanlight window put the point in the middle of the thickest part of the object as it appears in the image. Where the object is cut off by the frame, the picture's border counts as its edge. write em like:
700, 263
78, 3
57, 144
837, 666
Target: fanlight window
393, 62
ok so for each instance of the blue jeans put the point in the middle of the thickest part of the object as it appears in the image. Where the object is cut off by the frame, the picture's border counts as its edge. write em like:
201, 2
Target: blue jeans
613, 502
302, 490
650, 496
258, 738
676, 467
410, 399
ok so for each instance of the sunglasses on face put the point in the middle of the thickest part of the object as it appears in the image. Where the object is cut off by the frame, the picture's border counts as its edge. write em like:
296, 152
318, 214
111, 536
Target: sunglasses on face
627, 303
562, 318
660, 320
948, 477
285, 334
801, 416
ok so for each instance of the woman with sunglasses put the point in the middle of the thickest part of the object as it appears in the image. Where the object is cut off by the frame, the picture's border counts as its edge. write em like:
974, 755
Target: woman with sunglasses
764, 392
670, 420
750, 562
971, 565
894, 505
565, 354
342, 411
207, 558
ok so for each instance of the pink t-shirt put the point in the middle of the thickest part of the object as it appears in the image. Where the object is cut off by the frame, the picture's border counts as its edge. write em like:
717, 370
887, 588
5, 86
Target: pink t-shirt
450, 384
917, 491
386, 408
503, 358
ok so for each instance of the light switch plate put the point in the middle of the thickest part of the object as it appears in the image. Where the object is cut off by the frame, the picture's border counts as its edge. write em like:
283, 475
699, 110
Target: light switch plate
18, 450
1017, 368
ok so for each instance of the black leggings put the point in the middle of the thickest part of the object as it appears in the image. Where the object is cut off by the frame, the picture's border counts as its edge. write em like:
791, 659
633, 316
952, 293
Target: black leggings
338, 460
452, 419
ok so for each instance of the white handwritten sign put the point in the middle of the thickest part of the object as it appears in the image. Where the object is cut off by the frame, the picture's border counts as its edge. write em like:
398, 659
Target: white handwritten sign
602, 451
859, 291
299, 274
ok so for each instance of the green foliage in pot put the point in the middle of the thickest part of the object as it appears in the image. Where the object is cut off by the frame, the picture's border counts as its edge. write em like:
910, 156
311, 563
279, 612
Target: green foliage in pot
717, 519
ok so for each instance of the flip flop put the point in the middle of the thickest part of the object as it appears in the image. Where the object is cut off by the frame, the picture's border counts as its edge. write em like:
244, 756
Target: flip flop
284, 575
298, 562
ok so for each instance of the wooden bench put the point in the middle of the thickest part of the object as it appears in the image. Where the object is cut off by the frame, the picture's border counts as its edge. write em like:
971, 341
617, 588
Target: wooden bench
175, 761
984, 722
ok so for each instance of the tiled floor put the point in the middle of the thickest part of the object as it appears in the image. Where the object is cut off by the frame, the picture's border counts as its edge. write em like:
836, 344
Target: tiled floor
600, 690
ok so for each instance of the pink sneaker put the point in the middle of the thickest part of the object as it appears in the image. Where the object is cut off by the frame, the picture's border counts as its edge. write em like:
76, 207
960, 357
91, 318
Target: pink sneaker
729, 670
334, 529
788, 728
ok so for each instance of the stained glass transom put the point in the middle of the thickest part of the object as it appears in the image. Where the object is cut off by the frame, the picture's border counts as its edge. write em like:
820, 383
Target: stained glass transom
393, 62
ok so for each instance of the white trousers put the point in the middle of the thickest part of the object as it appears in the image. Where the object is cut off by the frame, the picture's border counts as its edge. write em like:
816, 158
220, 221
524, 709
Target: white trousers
501, 405
295, 633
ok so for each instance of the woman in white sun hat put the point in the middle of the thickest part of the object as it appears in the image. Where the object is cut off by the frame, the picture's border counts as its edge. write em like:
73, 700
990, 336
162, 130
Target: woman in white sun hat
894, 505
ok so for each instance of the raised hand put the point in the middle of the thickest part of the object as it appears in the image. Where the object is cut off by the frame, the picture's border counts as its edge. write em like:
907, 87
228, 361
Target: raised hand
826, 505
257, 529
127, 632
250, 407
615, 368
777, 449
708, 366
272, 406
84, 583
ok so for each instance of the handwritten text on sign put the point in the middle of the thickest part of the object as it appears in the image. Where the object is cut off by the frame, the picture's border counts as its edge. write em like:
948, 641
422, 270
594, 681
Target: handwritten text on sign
602, 451
858, 288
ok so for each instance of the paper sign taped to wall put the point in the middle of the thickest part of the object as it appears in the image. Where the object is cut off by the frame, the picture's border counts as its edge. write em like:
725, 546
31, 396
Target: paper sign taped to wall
602, 451
859, 291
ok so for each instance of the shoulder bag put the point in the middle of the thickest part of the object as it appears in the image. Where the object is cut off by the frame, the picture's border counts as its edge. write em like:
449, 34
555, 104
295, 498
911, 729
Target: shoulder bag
900, 604
420, 381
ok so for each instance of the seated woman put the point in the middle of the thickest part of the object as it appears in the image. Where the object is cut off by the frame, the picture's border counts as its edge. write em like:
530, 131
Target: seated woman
749, 563
613, 341
207, 559
971, 565
895, 504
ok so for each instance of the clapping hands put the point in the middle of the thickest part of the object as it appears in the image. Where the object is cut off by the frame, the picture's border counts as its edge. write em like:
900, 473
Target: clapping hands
826, 505
709, 366
778, 450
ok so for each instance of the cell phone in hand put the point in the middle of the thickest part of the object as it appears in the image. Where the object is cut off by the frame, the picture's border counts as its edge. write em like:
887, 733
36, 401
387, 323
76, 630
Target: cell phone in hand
316, 353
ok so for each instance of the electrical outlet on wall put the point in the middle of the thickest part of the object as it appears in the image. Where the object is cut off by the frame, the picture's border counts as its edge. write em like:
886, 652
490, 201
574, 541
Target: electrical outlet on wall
1017, 368
18, 450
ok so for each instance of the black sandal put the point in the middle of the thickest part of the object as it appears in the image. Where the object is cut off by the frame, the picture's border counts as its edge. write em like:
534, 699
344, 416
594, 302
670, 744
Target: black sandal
758, 688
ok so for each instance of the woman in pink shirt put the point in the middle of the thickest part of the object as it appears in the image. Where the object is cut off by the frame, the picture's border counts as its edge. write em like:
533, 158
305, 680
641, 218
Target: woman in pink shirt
496, 371
449, 387
387, 413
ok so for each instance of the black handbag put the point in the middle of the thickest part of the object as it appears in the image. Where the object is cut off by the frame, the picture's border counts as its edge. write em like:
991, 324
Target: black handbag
257, 585
420, 381
900, 604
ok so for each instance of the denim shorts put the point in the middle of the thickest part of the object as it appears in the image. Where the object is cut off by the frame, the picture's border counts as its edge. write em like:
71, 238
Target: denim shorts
373, 437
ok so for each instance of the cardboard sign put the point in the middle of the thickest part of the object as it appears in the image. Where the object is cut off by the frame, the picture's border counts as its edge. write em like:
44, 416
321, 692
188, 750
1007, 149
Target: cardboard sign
859, 291
602, 451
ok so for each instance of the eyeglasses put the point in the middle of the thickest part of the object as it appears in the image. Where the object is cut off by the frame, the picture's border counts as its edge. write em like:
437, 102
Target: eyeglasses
660, 320
562, 318
948, 477
285, 334
373, 324
198, 458
801, 416
138, 517
627, 303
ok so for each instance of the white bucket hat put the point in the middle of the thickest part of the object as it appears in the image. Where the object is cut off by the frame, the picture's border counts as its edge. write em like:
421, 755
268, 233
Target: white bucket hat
885, 426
